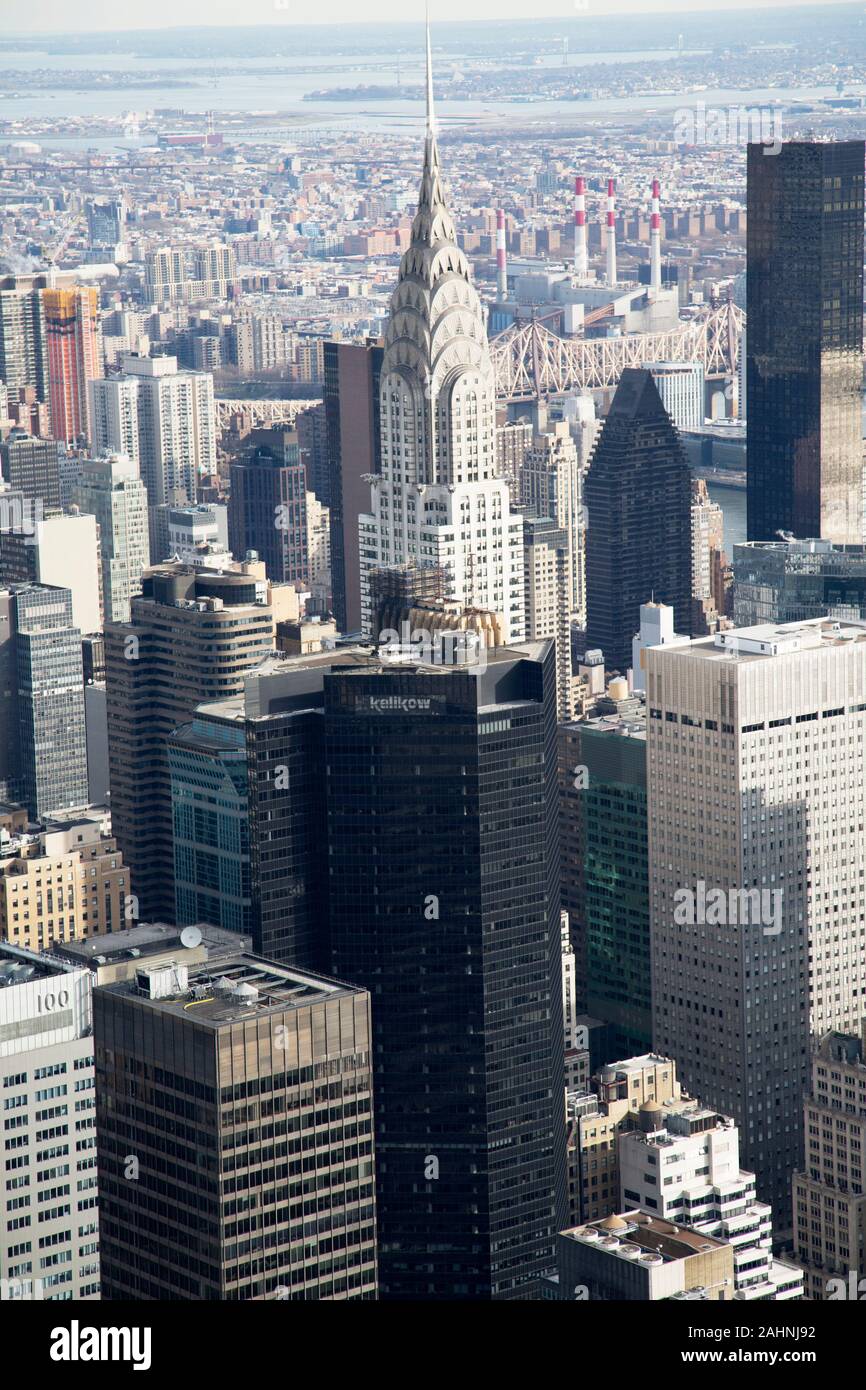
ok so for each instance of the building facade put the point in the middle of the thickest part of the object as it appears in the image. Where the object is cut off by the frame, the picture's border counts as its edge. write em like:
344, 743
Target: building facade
111, 491
438, 498
253, 1051
49, 1232
193, 633
805, 343
638, 498
830, 1191
754, 777
444, 874
74, 347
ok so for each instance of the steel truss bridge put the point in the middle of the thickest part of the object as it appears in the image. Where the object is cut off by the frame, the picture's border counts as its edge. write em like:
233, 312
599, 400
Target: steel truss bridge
264, 414
530, 362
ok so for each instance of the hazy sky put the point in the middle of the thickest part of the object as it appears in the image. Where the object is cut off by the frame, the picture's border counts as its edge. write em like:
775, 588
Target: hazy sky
22, 16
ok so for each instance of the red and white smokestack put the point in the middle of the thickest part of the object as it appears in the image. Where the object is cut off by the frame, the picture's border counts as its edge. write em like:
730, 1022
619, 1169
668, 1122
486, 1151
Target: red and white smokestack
656, 240
580, 256
501, 273
611, 232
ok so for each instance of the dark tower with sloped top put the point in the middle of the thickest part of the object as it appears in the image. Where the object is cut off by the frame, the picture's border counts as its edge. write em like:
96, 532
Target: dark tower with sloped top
638, 498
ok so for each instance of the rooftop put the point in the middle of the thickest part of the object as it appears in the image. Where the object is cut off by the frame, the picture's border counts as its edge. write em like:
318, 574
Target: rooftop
233, 990
19, 967
647, 1235
149, 939
767, 640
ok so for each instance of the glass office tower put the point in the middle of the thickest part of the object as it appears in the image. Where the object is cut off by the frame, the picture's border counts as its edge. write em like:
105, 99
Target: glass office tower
444, 903
805, 344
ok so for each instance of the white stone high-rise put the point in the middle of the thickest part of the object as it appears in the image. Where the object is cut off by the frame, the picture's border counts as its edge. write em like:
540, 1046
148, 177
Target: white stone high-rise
437, 499
757, 869
683, 1164
163, 418
552, 485
111, 490
49, 1214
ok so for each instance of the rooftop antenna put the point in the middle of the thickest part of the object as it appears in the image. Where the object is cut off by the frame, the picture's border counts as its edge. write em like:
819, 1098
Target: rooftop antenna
431, 114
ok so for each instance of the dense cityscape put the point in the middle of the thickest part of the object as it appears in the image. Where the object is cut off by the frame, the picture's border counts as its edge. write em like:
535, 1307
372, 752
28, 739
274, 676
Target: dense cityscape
433, 668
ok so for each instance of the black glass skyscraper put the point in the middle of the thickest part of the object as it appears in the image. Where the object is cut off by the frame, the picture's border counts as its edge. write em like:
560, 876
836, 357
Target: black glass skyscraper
805, 341
638, 497
444, 902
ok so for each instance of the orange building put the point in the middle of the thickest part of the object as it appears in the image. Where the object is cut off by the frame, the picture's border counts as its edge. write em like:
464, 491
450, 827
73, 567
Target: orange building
72, 335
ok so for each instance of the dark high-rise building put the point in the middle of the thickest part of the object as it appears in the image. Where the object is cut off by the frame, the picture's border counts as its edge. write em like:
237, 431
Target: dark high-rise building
605, 887
30, 466
207, 762
805, 341
351, 399
242, 1090
267, 506
50, 731
638, 496
444, 902
192, 635
250, 825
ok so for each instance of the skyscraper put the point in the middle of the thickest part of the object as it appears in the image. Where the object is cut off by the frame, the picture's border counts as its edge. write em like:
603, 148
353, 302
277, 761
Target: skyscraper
829, 1200
111, 490
681, 388
49, 1216
30, 467
267, 506
271, 1069
210, 820
604, 873
351, 401
74, 348
193, 633
23, 353
66, 882
50, 728
755, 779
786, 581
805, 343
548, 572
444, 901
437, 498
60, 550
163, 419
551, 485
638, 497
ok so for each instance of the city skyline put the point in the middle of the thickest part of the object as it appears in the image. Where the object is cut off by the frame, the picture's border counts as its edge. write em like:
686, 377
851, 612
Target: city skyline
432, 841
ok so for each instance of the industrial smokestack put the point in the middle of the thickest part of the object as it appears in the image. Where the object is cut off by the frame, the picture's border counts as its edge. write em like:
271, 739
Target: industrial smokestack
501, 273
611, 233
580, 257
656, 240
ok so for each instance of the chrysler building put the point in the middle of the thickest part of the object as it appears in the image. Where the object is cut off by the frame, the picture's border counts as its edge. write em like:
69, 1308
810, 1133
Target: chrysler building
437, 499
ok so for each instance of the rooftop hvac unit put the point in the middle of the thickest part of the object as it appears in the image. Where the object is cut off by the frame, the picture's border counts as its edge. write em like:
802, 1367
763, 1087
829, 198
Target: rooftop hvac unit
162, 981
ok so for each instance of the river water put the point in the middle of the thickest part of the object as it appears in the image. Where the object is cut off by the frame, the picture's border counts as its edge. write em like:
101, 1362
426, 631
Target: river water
246, 87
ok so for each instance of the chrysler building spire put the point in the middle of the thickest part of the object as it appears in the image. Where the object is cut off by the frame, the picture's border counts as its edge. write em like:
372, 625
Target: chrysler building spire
437, 498
431, 114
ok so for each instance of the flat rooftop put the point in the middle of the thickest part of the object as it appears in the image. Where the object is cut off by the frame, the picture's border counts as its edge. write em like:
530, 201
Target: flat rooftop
149, 939
650, 1234
768, 640
232, 990
18, 967
633, 1064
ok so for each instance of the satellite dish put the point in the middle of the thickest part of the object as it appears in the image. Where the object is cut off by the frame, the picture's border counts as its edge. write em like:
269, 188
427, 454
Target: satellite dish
190, 937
